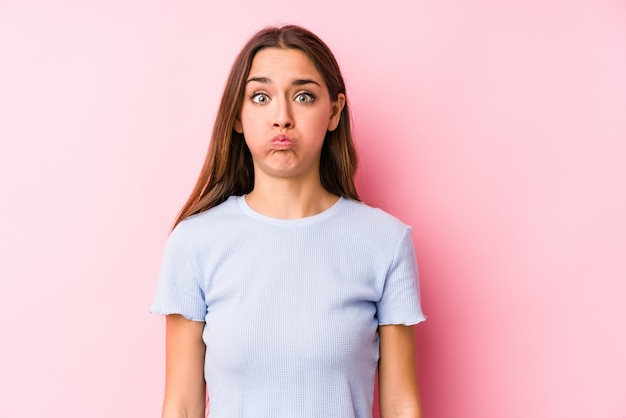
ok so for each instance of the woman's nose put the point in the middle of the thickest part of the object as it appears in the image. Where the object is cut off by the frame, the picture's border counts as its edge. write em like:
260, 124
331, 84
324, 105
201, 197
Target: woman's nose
283, 117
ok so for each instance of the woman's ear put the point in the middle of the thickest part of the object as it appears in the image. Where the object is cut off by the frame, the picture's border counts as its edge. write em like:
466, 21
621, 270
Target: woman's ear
238, 127
335, 111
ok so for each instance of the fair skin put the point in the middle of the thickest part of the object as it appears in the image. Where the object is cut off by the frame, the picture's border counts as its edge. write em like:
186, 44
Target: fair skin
285, 114
184, 368
286, 95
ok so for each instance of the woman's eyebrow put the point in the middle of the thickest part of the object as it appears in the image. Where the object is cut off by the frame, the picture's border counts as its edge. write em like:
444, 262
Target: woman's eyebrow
296, 82
302, 82
263, 80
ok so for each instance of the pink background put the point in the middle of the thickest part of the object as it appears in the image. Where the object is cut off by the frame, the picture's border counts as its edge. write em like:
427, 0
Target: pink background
497, 129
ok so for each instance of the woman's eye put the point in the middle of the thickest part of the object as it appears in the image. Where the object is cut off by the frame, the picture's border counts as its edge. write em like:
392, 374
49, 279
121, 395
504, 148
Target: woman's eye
260, 98
305, 97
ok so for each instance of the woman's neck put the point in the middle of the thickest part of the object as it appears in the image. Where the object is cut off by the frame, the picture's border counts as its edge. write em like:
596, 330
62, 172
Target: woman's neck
286, 199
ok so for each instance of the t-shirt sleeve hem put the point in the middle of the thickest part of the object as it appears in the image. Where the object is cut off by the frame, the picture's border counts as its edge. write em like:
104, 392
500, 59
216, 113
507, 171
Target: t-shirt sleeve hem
407, 322
174, 312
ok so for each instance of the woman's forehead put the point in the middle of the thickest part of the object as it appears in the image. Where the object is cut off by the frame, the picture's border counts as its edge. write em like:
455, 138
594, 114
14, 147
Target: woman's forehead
282, 63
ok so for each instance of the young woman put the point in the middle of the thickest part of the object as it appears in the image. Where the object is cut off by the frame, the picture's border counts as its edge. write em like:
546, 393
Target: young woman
283, 292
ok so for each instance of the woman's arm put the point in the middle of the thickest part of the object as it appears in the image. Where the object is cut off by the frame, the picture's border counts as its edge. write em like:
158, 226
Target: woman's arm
185, 390
397, 374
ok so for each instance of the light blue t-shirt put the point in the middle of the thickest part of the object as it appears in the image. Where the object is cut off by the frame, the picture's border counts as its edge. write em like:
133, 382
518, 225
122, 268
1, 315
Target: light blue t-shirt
291, 307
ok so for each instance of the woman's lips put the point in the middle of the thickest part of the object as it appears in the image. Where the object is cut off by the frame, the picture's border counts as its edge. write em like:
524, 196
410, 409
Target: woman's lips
283, 141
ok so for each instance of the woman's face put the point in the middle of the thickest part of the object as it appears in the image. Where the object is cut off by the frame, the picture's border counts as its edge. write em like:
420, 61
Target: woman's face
285, 114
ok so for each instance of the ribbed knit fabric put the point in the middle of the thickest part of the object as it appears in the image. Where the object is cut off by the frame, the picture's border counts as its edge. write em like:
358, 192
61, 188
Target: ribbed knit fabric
291, 307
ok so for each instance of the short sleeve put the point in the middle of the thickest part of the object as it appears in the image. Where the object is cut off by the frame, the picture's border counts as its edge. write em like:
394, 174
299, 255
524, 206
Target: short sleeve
178, 288
400, 301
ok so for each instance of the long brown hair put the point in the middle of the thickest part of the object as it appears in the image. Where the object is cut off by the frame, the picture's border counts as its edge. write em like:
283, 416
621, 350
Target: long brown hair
228, 170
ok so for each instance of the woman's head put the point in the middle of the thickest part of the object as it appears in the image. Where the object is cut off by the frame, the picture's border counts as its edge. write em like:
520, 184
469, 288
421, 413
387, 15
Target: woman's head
228, 168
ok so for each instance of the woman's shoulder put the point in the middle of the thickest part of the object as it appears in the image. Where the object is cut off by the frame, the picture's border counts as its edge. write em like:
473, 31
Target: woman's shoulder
210, 219
373, 217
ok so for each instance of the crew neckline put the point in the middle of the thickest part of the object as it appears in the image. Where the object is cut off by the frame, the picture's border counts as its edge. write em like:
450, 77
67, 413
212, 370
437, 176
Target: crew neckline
241, 200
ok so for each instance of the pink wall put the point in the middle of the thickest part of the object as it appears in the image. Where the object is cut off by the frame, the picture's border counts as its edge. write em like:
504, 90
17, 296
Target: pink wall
497, 130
